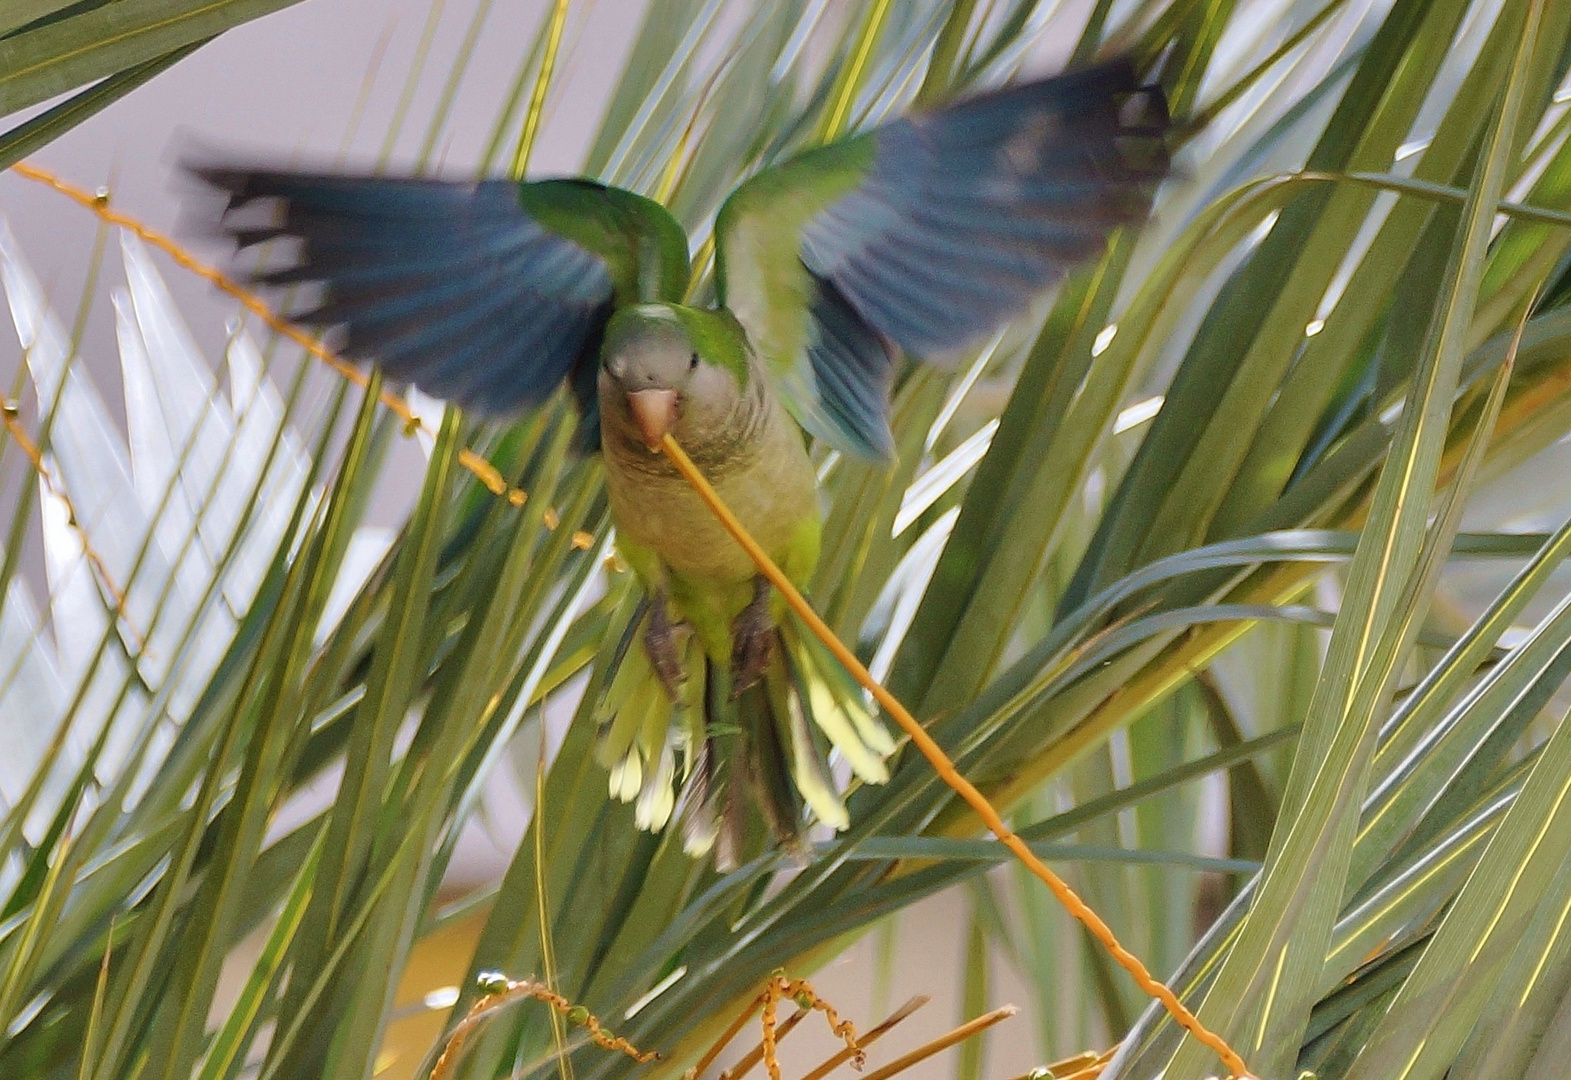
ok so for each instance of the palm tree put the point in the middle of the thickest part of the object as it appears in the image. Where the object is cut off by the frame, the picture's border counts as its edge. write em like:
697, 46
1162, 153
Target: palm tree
1169, 550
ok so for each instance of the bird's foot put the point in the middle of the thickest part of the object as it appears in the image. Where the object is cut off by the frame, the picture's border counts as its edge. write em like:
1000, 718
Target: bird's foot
663, 642
752, 639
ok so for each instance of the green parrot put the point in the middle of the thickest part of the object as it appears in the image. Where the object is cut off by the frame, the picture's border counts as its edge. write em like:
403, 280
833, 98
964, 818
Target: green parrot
910, 239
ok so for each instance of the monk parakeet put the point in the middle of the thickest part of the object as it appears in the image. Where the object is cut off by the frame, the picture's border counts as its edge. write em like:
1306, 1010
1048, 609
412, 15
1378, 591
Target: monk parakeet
910, 239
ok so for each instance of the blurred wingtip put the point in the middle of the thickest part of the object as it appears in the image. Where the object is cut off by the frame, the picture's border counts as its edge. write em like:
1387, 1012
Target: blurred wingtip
213, 187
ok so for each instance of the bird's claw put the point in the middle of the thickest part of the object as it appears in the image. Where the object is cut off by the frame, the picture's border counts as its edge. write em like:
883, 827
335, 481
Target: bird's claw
662, 641
752, 640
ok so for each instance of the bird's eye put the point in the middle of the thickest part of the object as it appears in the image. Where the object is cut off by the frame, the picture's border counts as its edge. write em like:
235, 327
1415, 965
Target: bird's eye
693, 363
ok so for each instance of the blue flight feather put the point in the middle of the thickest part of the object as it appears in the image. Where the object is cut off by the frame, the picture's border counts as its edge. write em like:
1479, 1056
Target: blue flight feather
452, 287
964, 216
967, 213
853, 368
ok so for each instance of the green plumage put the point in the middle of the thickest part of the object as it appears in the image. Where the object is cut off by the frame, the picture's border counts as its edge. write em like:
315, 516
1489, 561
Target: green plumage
642, 245
910, 239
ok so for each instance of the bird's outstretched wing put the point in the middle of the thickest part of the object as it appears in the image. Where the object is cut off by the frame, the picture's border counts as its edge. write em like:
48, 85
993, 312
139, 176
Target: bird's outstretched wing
929, 231
488, 294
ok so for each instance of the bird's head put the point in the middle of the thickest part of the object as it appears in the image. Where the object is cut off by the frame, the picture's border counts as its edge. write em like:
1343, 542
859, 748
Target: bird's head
665, 368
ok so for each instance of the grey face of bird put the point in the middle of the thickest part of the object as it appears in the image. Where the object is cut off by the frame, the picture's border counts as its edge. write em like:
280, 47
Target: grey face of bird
653, 378
645, 370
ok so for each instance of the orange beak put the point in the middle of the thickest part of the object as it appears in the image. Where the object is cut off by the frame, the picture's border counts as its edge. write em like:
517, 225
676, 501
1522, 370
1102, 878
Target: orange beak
654, 411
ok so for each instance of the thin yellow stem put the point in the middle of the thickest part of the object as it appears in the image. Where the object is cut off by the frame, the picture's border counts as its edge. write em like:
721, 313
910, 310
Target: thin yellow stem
564, 1065
851, 81
526, 138
943, 1042
35, 458
767, 1021
701, 263
724, 1040
675, 164
747, 1061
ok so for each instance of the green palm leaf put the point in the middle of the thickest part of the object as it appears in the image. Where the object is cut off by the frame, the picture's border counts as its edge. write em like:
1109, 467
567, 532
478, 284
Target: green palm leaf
232, 710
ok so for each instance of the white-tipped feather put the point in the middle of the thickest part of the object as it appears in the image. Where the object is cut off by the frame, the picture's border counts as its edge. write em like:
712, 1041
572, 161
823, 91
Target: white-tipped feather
853, 731
657, 798
627, 776
808, 772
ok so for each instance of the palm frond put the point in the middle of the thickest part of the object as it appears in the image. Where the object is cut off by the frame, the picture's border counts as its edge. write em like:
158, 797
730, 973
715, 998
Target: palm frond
1098, 574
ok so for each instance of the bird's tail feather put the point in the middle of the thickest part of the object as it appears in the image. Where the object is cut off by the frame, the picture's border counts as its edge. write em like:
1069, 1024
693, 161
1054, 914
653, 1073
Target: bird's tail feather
643, 733
721, 762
